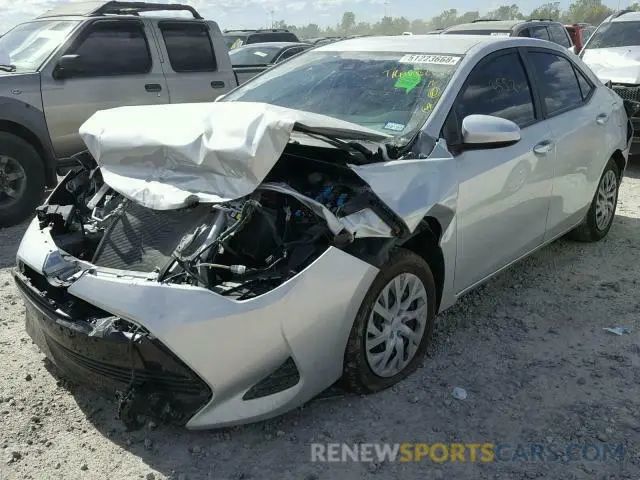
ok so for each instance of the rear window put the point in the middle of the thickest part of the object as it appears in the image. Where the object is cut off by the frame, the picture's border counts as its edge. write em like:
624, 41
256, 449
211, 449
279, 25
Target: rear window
559, 34
234, 41
189, 47
253, 56
272, 37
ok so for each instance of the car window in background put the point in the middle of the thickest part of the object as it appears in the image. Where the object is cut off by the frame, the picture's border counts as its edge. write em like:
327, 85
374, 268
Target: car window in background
616, 34
393, 92
234, 41
290, 52
559, 34
585, 34
114, 48
272, 37
250, 56
189, 47
500, 88
29, 44
539, 32
557, 81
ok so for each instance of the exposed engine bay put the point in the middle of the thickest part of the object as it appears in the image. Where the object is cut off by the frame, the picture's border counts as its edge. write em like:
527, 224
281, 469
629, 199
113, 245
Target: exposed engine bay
241, 248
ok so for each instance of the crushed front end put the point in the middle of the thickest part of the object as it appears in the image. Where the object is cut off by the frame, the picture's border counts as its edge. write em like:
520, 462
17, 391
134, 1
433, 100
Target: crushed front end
207, 315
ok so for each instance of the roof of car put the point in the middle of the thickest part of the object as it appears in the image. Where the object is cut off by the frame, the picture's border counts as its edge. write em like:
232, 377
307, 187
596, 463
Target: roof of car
114, 7
483, 24
274, 44
625, 16
450, 44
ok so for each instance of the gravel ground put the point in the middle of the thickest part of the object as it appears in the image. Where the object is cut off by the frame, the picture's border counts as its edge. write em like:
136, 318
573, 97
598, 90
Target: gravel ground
528, 347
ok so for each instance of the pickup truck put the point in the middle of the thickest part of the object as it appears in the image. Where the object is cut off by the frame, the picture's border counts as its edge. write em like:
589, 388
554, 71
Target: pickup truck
59, 69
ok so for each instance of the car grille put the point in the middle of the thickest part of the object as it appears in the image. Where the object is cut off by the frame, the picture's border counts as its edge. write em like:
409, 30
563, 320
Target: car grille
628, 92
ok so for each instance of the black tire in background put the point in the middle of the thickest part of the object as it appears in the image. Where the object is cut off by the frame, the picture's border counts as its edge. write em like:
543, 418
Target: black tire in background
358, 377
15, 210
589, 230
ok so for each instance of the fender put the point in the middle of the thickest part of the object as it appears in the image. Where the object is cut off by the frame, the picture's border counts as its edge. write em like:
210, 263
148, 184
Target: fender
29, 123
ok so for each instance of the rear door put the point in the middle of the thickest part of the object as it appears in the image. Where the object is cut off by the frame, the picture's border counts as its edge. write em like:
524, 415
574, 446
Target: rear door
577, 114
195, 71
119, 66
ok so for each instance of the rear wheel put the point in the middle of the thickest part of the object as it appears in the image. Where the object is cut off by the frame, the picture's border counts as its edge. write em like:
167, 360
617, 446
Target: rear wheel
602, 211
22, 179
393, 326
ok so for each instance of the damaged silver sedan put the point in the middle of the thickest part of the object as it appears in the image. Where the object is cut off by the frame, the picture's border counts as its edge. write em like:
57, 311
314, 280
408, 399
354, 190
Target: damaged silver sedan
222, 263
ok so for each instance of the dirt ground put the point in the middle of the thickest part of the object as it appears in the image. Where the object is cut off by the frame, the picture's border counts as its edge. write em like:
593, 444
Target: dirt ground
528, 347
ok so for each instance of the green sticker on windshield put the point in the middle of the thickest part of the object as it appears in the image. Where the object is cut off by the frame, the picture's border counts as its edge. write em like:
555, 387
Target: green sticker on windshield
409, 80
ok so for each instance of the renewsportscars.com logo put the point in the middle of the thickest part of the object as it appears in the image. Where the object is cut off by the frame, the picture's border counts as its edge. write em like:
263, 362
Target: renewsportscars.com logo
464, 452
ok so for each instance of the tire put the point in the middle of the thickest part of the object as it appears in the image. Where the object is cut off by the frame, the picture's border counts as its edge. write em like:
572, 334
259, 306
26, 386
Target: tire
14, 210
590, 230
358, 373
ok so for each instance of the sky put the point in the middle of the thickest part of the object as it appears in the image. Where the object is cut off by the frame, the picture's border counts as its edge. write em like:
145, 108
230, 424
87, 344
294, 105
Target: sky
257, 13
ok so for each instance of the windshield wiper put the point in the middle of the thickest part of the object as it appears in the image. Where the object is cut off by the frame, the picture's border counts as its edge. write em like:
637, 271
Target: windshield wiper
354, 149
8, 68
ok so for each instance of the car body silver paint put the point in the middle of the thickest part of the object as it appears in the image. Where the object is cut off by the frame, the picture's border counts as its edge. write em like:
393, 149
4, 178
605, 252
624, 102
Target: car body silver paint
232, 345
480, 209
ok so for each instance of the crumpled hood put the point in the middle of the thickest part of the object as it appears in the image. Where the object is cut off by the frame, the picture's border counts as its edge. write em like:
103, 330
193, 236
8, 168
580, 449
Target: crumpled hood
167, 156
620, 65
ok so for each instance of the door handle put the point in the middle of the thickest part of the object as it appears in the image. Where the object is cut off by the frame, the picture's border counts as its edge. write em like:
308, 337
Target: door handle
153, 87
602, 119
543, 148
217, 84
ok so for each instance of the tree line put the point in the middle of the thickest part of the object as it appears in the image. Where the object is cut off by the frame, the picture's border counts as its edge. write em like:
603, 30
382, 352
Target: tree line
587, 11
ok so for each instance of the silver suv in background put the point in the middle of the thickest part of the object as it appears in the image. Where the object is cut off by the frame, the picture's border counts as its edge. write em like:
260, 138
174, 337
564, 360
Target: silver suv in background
59, 69
542, 28
613, 53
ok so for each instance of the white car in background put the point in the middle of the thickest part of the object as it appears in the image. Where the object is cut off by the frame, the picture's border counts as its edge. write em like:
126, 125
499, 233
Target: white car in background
613, 53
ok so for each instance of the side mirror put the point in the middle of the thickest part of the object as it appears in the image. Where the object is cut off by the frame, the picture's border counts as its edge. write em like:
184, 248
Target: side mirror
572, 49
67, 66
485, 131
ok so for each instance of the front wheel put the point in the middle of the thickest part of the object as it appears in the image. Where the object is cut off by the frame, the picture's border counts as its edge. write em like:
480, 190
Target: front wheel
22, 180
393, 326
600, 216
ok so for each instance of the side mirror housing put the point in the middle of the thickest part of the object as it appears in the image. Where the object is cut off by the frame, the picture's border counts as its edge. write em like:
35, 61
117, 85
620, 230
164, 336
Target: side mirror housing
67, 66
486, 131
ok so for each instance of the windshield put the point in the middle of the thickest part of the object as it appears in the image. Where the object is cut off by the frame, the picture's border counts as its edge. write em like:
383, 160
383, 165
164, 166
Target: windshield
28, 45
249, 55
616, 34
393, 92
234, 41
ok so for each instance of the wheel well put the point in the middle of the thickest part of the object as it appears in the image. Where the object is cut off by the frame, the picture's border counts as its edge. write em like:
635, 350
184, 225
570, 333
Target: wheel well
620, 161
427, 244
33, 140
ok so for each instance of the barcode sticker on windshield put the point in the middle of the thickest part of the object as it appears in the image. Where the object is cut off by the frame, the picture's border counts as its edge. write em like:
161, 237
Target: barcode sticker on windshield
499, 34
430, 59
